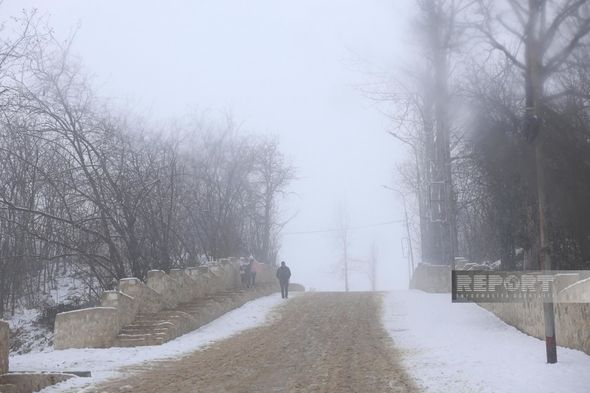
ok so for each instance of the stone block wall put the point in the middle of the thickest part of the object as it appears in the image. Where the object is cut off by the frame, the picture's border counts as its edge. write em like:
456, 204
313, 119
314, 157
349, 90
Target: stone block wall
187, 285
126, 305
4, 347
572, 320
235, 269
575, 292
432, 278
87, 328
231, 273
216, 279
29, 382
200, 280
165, 285
266, 274
98, 327
149, 300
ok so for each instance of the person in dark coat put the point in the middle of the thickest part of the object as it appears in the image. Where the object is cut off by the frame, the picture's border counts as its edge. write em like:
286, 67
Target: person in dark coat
284, 274
245, 273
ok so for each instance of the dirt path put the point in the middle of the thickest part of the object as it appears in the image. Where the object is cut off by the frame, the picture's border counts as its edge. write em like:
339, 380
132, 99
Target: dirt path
320, 342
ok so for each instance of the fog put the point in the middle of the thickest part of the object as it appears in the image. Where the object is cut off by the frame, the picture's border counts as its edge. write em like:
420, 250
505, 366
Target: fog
299, 71
145, 142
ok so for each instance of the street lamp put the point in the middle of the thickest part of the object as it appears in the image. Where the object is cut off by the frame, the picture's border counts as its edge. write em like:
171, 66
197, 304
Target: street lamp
411, 252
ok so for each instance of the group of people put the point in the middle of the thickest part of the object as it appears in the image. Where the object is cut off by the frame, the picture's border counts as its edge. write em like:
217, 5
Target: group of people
249, 268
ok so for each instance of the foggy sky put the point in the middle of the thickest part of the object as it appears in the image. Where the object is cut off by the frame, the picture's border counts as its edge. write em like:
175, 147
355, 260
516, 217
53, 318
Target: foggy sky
292, 69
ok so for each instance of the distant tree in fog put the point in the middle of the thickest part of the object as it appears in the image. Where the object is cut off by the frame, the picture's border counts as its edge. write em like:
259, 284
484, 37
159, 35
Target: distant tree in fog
343, 240
372, 262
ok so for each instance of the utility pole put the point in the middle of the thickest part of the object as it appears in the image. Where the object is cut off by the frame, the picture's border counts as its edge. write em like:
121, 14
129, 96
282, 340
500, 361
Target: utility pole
534, 82
410, 252
407, 224
373, 267
346, 264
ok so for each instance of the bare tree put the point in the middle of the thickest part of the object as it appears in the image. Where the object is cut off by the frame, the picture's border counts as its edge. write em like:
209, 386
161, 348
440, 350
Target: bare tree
423, 122
373, 261
342, 237
549, 33
87, 190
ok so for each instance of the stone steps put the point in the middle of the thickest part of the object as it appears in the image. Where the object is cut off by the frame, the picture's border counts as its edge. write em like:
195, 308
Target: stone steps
158, 328
140, 340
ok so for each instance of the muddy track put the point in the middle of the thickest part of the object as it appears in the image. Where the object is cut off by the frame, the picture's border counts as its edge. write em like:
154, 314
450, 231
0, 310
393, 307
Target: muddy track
319, 342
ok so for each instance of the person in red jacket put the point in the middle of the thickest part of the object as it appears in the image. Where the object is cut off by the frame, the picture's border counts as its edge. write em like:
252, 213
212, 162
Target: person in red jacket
254, 268
284, 274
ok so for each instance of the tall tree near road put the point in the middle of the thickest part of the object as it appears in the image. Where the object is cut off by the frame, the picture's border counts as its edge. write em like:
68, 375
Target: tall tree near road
273, 176
550, 33
424, 114
441, 35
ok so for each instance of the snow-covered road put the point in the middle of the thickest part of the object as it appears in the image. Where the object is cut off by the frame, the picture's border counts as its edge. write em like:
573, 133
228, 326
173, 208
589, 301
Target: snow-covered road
463, 348
445, 347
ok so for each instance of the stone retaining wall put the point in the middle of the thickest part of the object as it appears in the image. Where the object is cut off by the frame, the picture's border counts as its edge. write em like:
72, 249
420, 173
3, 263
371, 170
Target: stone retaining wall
166, 286
187, 285
27, 383
98, 327
21, 382
87, 328
431, 278
575, 292
127, 307
572, 320
149, 301
201, 281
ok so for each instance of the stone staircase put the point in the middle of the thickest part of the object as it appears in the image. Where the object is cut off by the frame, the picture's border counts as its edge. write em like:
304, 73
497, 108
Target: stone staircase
161, 308
165, 325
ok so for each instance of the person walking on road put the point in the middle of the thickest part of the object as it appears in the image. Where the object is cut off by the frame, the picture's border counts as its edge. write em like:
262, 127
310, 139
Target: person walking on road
284, 274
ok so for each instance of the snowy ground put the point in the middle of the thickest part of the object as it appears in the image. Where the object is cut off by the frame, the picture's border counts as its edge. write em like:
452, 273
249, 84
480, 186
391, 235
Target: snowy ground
28, 334
446, 347
105, 363
463, 348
